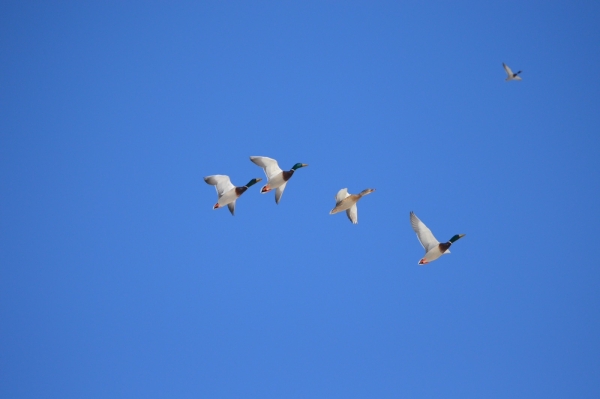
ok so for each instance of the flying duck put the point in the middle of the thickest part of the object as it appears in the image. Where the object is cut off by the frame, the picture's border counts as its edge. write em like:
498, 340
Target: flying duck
433, 248
227, 192
511, 75
277, 178
347, 202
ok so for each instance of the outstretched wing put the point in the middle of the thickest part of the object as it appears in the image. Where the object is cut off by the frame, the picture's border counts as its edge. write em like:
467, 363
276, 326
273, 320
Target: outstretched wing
424, 235
221, 183
352, 213
269, 165
509, 72
231, 207
341, 195
279, 192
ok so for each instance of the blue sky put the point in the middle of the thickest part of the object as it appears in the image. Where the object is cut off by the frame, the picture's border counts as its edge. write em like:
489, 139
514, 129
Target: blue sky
119, 280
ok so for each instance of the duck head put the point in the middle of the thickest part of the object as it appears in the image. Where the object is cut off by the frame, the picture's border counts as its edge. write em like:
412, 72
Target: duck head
299, 165
456, 237
367, 191
253, 182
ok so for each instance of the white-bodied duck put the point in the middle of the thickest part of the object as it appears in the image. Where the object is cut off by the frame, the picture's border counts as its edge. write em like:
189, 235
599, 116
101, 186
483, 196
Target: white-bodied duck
277, 178
511, 75
433, 248
227, 192
347, 202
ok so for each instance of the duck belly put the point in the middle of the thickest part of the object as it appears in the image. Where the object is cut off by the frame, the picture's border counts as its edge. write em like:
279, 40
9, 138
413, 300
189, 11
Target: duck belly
276, 181
344, 205
433, 254
227, 197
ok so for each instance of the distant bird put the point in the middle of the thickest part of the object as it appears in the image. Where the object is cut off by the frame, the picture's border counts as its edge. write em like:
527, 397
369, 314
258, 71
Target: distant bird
227, 192
433, 248
277, 178
511, 75
347, 202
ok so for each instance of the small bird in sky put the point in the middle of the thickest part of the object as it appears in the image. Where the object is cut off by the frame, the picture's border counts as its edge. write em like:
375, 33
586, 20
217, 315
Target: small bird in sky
227, 192
276, 178
433, 248
511, 75
347, 202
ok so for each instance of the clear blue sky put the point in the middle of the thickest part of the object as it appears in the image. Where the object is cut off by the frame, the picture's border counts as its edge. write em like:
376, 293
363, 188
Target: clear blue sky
117, 279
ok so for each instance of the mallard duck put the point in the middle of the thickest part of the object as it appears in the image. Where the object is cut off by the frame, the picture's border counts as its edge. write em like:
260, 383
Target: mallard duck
277, 178
511, 75
433, 248
347, 202
227, 192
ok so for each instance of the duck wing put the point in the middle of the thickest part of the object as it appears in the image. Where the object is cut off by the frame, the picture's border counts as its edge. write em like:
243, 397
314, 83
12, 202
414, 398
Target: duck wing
509, 72
231, 207
341, 195
424, 235
279, 192
269, 165
352, 213
221, 182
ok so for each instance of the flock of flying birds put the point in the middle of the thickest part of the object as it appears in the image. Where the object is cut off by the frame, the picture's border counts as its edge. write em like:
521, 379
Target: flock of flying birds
277, 179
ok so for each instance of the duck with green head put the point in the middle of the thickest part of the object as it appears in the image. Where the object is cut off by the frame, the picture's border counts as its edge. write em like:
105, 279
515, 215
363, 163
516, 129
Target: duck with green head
276, 178
226, 191
433, 248
510, 75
